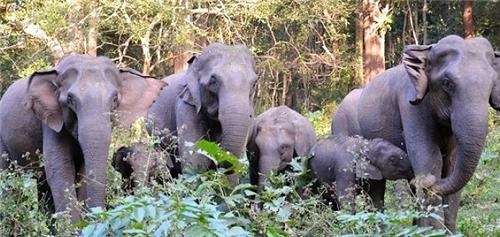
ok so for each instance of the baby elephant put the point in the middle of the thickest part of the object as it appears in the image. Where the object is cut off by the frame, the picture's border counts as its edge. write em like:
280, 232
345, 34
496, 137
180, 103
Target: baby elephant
138, 164
278, 135
355, 160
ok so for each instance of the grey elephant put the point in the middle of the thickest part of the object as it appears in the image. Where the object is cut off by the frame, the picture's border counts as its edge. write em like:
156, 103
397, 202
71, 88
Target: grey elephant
211, 100
279, 134
435, 107
67, 111
351, 161
139, 164
345, 120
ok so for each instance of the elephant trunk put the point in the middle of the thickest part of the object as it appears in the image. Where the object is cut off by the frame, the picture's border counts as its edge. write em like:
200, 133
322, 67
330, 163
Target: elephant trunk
235, 117
266, 164
94, 135
470, 128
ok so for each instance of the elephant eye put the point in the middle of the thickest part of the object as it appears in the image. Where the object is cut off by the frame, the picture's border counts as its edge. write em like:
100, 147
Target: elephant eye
70, 100
447, 83
213, 84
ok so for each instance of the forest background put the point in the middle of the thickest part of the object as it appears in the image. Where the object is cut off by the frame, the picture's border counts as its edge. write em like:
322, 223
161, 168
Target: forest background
309, 53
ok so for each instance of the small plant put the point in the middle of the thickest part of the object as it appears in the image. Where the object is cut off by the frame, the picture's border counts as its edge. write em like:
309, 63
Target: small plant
21, 214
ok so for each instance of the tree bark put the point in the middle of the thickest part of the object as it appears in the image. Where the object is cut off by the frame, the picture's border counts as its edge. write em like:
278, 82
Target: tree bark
55, 47
467, 19
425, 8
183, 52
373, 43
92, 33
359, 44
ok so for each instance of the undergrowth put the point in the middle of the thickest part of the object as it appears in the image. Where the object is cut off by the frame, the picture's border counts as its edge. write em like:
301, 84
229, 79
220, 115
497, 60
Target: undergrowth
207, 205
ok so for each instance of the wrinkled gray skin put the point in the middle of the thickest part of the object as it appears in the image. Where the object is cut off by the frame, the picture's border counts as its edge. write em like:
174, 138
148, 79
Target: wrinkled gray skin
211, 100
345, 160
345, 120
67, 111
279, 134
138, 164
435, 106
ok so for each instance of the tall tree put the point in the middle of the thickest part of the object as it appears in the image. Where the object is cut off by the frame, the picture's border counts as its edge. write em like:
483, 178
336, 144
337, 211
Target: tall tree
467, 19
183, 51
374, 29
359, 44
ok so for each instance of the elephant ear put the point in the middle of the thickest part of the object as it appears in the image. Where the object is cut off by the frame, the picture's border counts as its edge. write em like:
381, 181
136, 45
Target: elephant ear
137, 93
191, 93
42, 98
253, 155
366, 170
199, 72
495, 92
415, 61
305, 138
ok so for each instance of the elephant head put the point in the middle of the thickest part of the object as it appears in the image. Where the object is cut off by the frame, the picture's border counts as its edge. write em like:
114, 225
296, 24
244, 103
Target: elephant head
138, 163
459, 78
79, 96
387, 161
219, 84
279, 135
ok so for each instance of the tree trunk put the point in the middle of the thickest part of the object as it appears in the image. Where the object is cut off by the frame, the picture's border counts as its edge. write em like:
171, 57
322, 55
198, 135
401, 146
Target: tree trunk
425, 8
467, 18
183, 52
92, 33
359, 45
373, 43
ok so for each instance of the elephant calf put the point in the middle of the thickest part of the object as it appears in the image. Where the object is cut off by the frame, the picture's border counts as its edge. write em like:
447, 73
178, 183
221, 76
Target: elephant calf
349, 159
138, 164
278, 135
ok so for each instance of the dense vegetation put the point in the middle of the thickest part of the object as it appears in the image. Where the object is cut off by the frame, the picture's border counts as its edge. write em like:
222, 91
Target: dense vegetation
306, 56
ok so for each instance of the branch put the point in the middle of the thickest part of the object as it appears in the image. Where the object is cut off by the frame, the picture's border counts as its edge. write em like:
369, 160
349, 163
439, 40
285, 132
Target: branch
53, 44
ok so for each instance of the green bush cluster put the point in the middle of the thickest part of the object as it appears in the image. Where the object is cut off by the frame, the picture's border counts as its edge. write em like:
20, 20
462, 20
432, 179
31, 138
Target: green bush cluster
205, 204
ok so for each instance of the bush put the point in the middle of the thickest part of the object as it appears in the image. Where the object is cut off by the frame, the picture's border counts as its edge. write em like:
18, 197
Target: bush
206, 205
20, 212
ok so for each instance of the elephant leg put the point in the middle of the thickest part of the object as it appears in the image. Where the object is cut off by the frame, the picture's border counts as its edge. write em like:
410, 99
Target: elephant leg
60, 170
376, 191
450, 212
190, 129
346, 189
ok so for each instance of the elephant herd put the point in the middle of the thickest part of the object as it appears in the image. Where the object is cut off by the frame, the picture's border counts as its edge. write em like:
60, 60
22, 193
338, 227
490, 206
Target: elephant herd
425, 120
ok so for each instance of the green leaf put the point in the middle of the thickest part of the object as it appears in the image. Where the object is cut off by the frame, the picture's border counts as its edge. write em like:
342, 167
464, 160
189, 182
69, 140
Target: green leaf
219, 155
140, 213
163, 229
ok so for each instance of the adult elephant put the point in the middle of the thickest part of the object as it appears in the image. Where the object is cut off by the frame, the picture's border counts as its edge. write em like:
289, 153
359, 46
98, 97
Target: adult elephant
345, 120
211, 100
278, 135
435, 106
68, 111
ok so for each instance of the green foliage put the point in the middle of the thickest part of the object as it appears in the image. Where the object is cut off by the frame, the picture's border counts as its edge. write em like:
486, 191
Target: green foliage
20, 211
35, 66
322, 120
218, 156
147, 216
206, 205
480, 209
